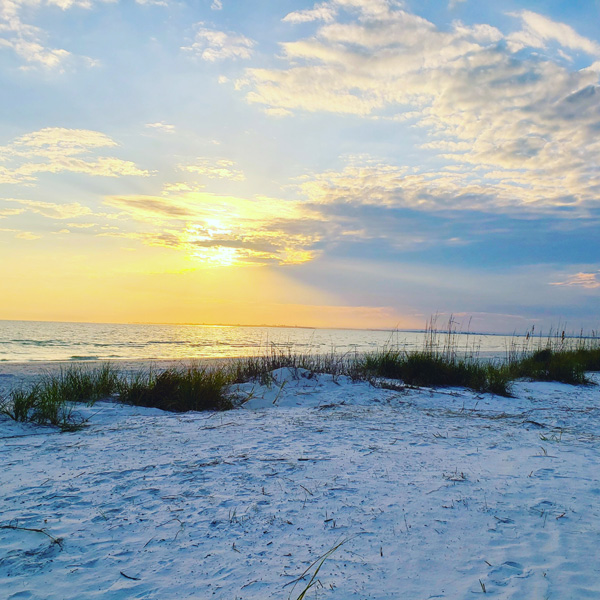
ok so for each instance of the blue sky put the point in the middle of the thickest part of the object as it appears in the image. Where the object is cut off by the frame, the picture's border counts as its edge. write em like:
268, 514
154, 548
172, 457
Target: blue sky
345, 163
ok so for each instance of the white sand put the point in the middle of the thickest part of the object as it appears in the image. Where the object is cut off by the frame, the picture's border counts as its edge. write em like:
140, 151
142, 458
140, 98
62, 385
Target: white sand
438, 493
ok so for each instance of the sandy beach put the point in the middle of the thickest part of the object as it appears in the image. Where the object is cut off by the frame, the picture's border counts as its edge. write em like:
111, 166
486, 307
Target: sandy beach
434, 493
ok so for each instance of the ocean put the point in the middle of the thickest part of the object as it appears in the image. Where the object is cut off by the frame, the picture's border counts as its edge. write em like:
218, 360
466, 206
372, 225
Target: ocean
30, 341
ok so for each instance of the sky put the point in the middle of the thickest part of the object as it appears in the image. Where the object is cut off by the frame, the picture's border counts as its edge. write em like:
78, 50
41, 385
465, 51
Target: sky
349, 163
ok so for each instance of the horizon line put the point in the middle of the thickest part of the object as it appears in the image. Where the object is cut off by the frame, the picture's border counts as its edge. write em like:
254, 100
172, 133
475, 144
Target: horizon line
383, 329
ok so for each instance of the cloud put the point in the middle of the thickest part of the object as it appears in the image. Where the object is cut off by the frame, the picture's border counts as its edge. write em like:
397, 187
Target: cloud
22, 235
215, 169
212, 45
225, 230
51, 210
367, 182
28, 41
56, 141
55, 150
27, 235
520, 131
169, 188
320, 12
10, 212
538, 30
585, 280
278, 112
161, 126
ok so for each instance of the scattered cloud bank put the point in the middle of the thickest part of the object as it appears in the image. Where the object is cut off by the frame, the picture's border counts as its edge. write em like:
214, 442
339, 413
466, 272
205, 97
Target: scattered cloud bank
213, 45
368, 182
513, 128
55, 150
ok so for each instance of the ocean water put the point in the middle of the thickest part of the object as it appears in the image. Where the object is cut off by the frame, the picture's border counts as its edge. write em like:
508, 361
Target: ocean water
30, 341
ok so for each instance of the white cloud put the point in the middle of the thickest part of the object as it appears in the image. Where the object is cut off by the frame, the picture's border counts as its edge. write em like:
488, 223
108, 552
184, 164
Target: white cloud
161, 126
212, 45
28, 41
320, 12
81, 225
52, 210
27, 235
56, 141
10, 212
170, 188
538, 30
215, 169
595, 66
56, 149
278, 112
364, 182
523, 131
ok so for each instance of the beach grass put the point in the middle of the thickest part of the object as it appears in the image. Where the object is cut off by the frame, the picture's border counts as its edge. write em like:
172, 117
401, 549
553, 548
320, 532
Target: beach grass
49, 402
78, 384
555, 357
567, 366
429, 369
260, 368
177, 389
448, 358
441, 362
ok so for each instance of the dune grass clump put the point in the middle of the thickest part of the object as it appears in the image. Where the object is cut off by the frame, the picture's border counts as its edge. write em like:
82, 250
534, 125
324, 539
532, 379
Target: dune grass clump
566, 366
49, 402
556, 357
423, 368
442, 362
39, 404
19, 404
78, 384
178, 390
260, 368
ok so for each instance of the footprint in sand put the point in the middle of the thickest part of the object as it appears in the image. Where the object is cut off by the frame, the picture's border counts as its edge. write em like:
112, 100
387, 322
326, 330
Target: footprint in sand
503, 574
543, 474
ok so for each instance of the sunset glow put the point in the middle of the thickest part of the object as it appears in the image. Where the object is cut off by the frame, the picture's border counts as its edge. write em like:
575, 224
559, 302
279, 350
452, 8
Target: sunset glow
349, 163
